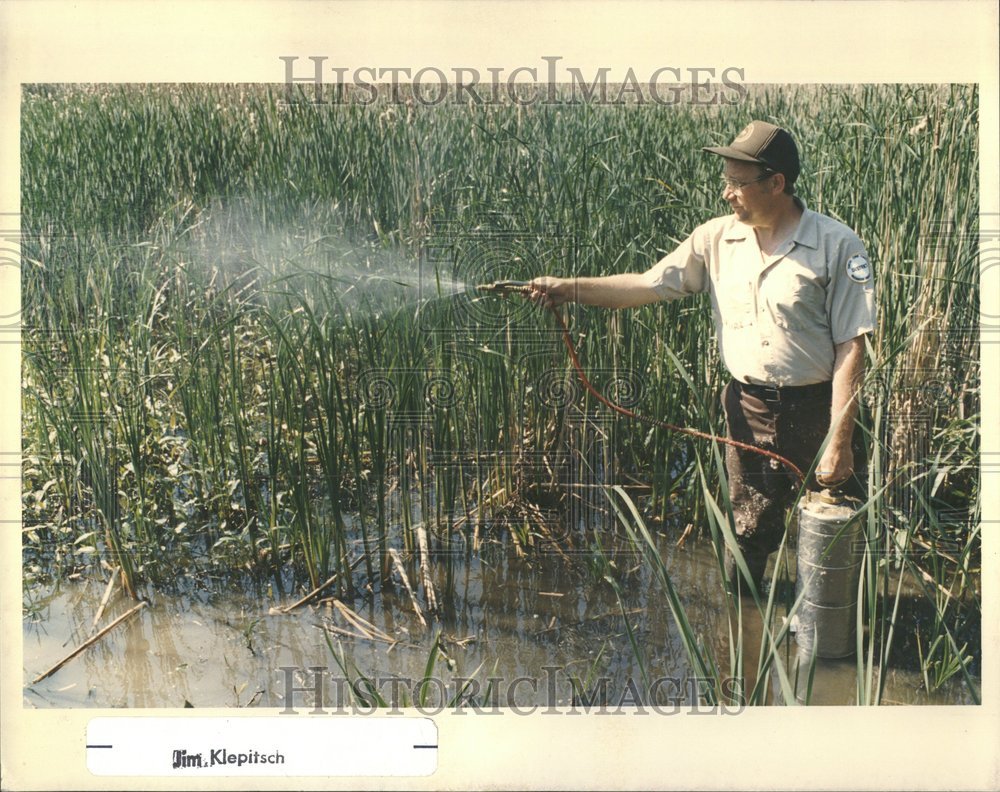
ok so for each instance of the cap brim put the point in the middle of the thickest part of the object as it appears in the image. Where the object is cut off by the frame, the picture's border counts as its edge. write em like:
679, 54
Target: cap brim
731, 153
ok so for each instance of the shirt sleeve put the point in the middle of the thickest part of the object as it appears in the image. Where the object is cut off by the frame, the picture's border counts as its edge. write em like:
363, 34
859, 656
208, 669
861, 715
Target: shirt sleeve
682, 272
851, 293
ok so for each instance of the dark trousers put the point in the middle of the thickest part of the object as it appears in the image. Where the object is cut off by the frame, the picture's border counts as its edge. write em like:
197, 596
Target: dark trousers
792, 422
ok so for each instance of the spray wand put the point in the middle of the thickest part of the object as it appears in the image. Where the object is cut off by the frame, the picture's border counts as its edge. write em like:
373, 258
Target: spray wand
508, 287
505, 287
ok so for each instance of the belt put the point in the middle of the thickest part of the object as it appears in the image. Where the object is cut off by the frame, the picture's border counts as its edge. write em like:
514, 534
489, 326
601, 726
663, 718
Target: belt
789, 393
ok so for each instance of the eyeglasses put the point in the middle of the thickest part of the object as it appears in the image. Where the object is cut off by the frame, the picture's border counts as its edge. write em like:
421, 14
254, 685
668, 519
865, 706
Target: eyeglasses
736, 185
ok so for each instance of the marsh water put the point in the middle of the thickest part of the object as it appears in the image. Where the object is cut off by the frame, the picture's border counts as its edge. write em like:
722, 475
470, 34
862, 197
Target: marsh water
532, 631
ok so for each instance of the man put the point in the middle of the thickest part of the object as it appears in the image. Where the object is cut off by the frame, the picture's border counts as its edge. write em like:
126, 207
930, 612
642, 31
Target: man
792, 298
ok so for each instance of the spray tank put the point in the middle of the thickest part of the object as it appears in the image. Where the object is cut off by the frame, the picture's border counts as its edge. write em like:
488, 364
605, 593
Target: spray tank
828, 568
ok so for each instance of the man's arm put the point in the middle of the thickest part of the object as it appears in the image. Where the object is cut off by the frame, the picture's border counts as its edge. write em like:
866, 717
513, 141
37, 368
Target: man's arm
837, 463
625, 290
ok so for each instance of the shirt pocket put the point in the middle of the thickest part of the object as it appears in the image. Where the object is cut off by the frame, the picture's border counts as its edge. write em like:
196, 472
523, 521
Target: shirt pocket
795, 302
734, 306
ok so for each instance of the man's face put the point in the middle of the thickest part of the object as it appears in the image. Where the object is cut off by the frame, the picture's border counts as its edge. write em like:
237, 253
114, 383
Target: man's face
754, 201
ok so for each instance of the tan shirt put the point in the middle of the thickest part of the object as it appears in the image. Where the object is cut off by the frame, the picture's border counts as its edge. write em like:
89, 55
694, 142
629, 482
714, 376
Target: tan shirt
778, 317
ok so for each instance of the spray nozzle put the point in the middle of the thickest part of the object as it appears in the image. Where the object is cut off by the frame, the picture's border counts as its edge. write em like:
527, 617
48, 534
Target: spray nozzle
505, 287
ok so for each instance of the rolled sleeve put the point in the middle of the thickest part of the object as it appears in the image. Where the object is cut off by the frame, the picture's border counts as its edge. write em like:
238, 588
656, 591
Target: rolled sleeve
851, 303
682, 272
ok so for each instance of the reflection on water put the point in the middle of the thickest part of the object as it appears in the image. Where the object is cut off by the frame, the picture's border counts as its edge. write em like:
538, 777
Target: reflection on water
533, 627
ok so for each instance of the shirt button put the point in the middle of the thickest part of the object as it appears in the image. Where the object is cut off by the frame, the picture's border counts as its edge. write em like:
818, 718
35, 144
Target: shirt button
765, 342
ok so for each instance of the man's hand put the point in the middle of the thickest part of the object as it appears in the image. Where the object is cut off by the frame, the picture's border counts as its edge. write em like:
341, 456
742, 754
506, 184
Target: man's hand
549, 292
836, 465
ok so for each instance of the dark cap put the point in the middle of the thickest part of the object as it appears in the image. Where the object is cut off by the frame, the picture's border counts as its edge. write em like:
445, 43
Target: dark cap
764, 144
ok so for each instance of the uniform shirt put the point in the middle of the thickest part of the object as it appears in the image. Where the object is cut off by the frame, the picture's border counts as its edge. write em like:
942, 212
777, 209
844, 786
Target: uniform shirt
778, 317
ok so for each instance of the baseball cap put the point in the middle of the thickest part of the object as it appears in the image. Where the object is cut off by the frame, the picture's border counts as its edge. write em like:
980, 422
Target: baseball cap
765, 144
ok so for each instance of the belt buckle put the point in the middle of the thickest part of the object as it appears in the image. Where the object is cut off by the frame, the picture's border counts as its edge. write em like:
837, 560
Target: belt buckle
771, 394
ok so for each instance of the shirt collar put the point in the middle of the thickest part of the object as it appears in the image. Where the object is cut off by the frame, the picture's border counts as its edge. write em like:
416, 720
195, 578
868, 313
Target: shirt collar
807, 232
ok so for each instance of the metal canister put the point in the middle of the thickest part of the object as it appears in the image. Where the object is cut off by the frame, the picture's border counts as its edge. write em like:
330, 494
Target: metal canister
828, 566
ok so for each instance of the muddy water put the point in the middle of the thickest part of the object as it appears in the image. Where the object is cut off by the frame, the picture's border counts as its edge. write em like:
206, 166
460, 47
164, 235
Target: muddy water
531, 626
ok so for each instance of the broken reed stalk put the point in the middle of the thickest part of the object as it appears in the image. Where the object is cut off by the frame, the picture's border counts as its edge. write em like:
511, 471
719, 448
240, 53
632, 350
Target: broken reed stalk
332, 628
318, 590
406, 583
104, 600
362, 624
329, 581
425, 568
89, 642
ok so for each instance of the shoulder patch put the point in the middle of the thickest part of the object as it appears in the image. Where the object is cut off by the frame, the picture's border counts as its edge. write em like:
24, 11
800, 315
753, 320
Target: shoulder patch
859, 269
